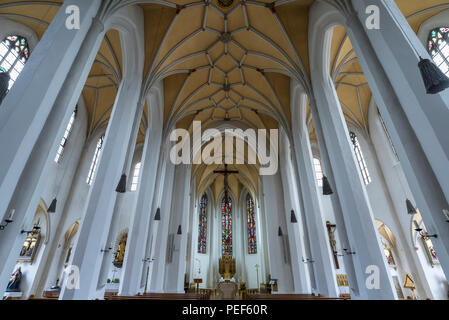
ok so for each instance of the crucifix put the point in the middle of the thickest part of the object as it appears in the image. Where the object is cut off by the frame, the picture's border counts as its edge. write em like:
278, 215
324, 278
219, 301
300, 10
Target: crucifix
225, 173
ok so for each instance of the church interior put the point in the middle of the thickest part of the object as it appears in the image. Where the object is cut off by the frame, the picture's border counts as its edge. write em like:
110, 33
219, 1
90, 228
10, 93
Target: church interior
224, 149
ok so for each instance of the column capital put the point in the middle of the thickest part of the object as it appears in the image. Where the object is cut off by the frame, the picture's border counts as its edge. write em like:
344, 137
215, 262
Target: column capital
345, 7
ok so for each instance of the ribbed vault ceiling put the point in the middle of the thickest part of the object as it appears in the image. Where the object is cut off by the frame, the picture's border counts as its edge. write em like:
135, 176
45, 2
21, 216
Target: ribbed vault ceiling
222, 65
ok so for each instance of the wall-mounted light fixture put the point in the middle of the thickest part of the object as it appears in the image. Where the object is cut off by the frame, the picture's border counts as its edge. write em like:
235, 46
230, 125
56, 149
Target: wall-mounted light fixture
8, 220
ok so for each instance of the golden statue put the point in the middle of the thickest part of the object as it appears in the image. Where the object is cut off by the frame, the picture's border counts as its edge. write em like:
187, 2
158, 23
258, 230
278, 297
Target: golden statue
226, 266
120, 253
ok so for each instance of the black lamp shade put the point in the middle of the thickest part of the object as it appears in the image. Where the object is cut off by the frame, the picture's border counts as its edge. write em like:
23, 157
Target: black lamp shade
52, 207
327, 190
179, 230
4, 83
157, 216
280, 234
434, 79
410, 208
121, 187
293, 217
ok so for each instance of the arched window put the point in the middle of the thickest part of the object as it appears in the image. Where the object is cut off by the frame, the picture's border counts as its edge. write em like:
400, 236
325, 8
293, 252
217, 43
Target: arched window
439, 48
251, 217
94, 163
64, 139
136, 173
226, 225
318, 171
202, 225
360, 159
14, 53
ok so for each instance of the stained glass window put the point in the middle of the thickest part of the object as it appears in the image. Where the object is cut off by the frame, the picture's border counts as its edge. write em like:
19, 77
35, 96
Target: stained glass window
94, 163
226, 225
360, 159
14, 53
438, 47
251, 217
202, 225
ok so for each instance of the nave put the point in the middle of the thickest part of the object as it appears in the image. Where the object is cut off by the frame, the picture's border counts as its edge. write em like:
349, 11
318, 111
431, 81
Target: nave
224, 149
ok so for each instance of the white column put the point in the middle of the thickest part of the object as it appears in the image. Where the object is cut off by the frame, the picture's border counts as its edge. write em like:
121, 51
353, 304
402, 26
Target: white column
142, 216
299, 115
396, 44
301, 275
359, 221
157, 275
356, 288
175, 270
95, 225
415, 160
25, 109
321, 256
108, 256
279, 258
35, 173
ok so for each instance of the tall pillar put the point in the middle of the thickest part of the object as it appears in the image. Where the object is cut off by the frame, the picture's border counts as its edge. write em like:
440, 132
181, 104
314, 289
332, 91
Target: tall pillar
40, 160
357, 212
279, 262
301, 275
50, 64
108, 256
157, 275
422, 178
141, 221
398, 49
322, 261
175, 269
299, 115
93, 232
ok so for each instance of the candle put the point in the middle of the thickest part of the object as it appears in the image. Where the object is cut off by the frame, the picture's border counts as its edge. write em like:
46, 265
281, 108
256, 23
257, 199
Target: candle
11, 215
446, 214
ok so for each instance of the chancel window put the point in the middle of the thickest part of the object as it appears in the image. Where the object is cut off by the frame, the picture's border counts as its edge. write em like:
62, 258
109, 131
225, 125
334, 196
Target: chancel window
226, 225
135, 180
318, 171
14, 53
360, 159
94, 163
251, 216
202, 225
438, 47
64, 139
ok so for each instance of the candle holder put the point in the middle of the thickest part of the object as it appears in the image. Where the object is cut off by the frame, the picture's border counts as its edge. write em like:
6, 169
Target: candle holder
8, 220
347, 251
106, 250
307, 260
36, 229
425, 235
3, 226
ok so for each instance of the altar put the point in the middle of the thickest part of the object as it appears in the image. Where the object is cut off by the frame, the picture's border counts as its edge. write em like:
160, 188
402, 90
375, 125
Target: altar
227, 290
227, 287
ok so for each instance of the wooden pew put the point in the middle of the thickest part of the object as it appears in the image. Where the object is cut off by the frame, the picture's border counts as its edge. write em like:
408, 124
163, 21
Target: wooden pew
286, 297
163, 296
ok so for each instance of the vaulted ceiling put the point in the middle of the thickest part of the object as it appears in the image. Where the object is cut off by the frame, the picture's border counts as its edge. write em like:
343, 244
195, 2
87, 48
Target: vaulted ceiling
227, 62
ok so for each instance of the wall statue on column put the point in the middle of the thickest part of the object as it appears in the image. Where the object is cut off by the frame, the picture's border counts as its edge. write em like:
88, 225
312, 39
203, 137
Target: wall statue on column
14, 281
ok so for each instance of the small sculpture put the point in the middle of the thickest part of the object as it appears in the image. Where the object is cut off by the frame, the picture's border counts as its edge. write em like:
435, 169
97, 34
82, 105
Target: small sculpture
14, 281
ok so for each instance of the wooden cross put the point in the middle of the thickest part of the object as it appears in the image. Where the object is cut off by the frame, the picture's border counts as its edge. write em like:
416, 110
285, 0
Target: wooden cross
225, 173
